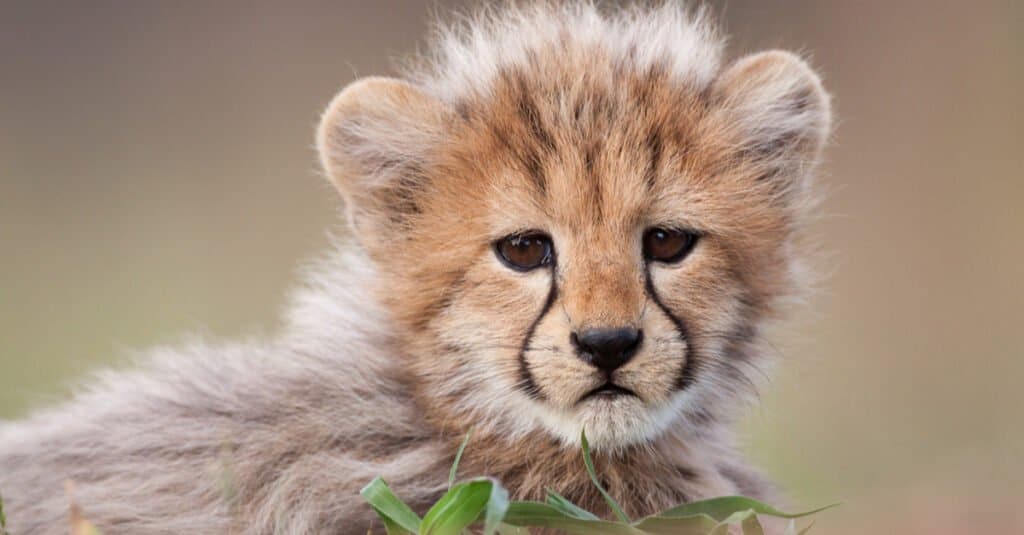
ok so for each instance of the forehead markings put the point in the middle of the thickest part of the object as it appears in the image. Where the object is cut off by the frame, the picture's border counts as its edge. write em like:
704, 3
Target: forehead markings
653, 144
591, 152
519, 127
638, 104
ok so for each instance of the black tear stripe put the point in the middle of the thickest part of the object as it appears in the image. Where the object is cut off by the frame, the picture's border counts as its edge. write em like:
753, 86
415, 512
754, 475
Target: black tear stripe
526, 381
687, 375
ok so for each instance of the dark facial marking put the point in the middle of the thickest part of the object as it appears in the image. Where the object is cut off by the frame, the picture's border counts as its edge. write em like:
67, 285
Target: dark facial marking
526, 381
538, 141
530, 115
654, 147
689, 369
590, 155
442, 303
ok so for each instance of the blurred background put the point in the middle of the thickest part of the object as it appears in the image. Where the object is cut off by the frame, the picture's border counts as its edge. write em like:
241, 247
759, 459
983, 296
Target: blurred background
157, 178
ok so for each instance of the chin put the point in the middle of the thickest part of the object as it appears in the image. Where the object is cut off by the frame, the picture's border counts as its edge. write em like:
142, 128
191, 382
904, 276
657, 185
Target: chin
612, 422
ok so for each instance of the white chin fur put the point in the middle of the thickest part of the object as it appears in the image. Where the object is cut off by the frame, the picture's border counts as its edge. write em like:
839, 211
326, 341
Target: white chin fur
612, 423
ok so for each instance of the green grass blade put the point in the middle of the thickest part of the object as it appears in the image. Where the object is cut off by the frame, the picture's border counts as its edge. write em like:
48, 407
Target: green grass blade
390, 527
509, 529
683, 525
748, 519
542, 515
393, 511
458, 508
563, 504
721, 508
3, 518
593, 477
458, 457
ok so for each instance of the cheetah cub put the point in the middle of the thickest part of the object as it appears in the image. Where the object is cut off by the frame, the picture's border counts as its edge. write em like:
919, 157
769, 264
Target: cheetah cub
561, 218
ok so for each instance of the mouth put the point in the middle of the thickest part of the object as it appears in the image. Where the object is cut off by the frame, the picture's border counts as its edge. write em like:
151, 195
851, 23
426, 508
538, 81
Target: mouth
608, 390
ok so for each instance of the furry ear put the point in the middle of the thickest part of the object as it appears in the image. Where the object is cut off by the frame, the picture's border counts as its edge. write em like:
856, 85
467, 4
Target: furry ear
779, 113
375, 140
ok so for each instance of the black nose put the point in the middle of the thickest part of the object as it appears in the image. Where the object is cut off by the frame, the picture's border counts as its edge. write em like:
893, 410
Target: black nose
607, 349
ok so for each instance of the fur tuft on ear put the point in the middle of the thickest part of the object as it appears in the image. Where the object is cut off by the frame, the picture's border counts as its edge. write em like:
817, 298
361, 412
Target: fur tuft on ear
779, 113
375, 141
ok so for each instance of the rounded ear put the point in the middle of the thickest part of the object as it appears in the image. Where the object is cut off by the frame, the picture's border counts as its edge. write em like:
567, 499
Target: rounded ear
779, 111
374, 140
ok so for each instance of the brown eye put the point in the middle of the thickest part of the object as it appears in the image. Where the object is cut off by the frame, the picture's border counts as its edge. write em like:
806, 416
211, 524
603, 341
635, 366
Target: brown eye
668, 245
523, 252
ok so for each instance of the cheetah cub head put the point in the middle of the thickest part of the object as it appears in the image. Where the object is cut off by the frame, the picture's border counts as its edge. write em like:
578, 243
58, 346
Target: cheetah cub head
580, 228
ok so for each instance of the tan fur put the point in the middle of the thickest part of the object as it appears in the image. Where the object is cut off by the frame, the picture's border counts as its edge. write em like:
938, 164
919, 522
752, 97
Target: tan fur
590, 127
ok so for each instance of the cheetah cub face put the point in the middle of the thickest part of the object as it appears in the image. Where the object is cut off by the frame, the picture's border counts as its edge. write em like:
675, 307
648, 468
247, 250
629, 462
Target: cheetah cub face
584, 240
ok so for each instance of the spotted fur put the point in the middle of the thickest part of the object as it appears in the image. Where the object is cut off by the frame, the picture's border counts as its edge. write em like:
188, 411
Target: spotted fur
588, 125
